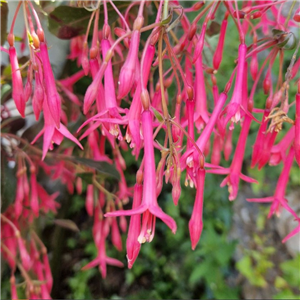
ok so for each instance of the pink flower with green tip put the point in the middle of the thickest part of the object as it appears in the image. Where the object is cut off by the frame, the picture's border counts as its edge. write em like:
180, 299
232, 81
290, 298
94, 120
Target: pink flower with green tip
149, 206
52, 134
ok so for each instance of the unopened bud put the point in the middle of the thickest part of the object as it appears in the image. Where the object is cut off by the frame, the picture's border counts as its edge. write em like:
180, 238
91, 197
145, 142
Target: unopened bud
211, 71
168, 82
35, 40
154, 39
145, 99
190, 92
40, 34
256, 15
11, 39
296, 17
267, 84
241, 14
246, 9
198, 5
106, 31
138, 23
93, 52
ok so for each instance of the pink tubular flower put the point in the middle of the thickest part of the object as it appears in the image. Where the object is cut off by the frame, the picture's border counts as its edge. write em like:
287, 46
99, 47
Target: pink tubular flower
102, 260
53, 98
297, 127
47, 201
47, 269
134, 115
115, 235
132, 245
109, 88
278, 152
52, 134
201, 114
234, 172
127, 73
279, 200
260, 139
25, 258
196, 222
38, 96
293, 232
93, 89
89, 200
233, 109
13, 288
34, 201
149, 206
17, 84
219, 50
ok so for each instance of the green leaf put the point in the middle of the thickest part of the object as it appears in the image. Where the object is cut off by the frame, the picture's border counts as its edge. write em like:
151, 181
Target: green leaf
103, 168
168, 19
157, 115
67, 22
277, 33
200, 272
86, 176
4, 14
290, 269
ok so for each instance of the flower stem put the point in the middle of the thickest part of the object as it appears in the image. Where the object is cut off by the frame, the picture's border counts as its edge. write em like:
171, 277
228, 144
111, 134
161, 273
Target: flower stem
166, 9
289, 14
163, 99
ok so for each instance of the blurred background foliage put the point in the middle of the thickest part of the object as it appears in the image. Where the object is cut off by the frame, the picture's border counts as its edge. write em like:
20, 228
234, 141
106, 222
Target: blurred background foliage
167, 268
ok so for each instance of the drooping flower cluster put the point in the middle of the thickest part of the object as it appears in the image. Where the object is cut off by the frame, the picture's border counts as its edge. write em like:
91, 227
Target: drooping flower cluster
128, 103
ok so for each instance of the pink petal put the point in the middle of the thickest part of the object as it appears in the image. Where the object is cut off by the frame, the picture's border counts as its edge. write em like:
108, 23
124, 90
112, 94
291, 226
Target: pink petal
157, 211
134, 211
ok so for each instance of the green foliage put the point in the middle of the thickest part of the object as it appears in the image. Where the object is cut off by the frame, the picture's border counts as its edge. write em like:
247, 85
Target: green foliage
288, 284
255, 263
66, 22
79, 283
103, 168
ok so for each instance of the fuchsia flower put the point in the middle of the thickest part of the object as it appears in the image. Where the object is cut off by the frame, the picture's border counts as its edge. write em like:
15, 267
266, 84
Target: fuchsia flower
149, 206
17, 84
127, 73
107, 119
219, 50
53, 134
235, 110
196, 222
132, 244
260, 139
53, 99
278, 152
38, 95
279, 200
102, 260
201, 114
297, 127
134, 114
232, 180
293, 232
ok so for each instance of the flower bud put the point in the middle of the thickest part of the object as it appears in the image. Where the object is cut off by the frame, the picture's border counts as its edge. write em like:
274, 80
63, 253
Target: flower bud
127, 74
219, 50
296, 17
267, 83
